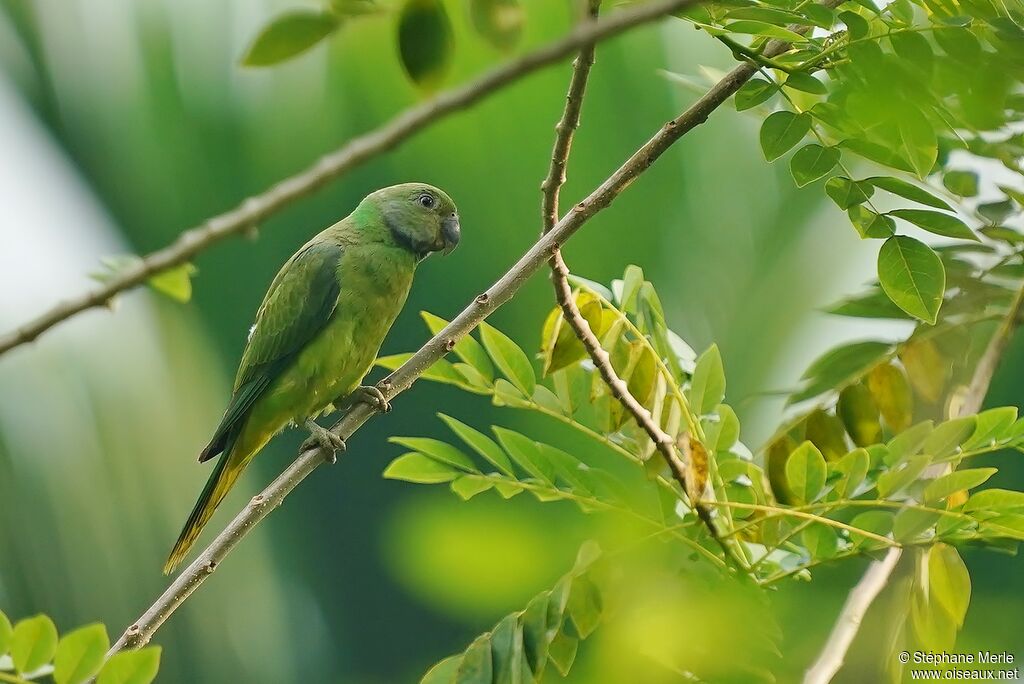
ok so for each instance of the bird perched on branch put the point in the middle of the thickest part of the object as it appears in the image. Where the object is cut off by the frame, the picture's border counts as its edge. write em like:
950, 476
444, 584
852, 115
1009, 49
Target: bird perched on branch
319, 329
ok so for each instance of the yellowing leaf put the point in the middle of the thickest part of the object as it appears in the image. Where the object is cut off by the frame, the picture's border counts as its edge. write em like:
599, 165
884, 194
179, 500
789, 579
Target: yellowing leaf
891, 391
857, 409
176, 282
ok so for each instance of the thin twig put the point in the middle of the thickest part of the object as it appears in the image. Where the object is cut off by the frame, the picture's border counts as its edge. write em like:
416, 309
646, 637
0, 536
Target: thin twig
258, 208
860, 598
444, 341
550, 188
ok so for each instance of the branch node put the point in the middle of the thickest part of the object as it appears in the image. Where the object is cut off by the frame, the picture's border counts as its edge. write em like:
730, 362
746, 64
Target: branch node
449, 344
483, 298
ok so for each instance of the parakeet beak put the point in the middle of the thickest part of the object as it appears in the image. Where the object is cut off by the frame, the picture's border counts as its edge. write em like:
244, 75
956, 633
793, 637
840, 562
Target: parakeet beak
451, 231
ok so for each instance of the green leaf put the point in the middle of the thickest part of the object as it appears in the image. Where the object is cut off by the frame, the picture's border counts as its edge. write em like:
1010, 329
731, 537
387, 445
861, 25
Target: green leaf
535, 633
876, 522
355, 8
425, 42
910, 523
948, 436
939, 488
892, 481
854, 468
800, 80
498, 21
288, 35
847, 193
936, 222
439, 451
820, 541
768, 16
990, 426
949, 581
908, 191
811, 162
468, 486
869, 224
805, 473
480, 443
132, 667
707, 386
80, 654
33, 643
175, 283
444, 671
958, 43
562, 652
475, 667
526, 454
781, 131
917, 142
996, 212
914, 49
962, 183
421, 469
440, 371
467, 348
509, 357
5, 633
507, 656
855, 24
913, 276
754, 92
838, 366
760, 28
874, 304
996, 500
584, 606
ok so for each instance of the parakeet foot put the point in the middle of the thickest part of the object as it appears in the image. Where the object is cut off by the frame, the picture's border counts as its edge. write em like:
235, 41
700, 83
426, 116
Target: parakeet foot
323, 438
368, 394
364, 394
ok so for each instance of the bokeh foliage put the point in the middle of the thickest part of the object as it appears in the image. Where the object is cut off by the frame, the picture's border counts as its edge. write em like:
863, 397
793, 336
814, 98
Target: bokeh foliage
832, 89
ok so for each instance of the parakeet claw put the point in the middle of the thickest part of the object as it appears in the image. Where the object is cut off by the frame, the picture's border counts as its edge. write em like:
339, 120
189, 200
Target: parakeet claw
368, 394
323, 438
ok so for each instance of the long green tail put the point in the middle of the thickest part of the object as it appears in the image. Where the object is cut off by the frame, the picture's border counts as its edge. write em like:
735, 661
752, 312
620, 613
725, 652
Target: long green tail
214, 492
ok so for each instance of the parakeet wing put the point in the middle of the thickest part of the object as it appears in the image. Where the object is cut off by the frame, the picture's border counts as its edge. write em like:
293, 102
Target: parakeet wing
298, 306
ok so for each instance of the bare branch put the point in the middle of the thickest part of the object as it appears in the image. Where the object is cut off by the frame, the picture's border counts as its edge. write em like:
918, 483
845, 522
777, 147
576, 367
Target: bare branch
258, 208
860, 598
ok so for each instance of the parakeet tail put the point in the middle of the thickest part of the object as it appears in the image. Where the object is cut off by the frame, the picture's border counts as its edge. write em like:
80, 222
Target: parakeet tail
227, 470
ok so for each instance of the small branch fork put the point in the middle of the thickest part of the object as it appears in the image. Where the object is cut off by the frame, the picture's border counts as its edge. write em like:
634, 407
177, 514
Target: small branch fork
361, 149
871, 584
550, 188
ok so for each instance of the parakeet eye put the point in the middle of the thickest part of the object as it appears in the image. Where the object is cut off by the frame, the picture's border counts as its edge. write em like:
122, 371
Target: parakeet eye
427, 201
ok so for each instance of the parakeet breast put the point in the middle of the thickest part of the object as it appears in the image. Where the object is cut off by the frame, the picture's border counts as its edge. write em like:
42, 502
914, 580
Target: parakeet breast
375, 282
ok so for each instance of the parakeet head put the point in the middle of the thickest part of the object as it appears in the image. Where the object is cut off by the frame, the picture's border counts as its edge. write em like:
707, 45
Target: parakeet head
419, 217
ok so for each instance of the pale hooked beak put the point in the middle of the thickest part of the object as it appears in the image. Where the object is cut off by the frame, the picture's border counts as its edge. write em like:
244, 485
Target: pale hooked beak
451, 232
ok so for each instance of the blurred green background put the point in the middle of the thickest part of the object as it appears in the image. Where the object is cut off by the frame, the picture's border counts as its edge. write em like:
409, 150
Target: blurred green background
123, 123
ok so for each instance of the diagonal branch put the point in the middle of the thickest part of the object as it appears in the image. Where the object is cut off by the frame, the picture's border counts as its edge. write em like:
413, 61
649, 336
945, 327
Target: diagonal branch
258, 208
878, 573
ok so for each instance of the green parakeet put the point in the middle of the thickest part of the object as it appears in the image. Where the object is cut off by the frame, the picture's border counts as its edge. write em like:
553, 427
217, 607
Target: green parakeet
319, 329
